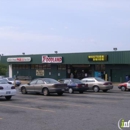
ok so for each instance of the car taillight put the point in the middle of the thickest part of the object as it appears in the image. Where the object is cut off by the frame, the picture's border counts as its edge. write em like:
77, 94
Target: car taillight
12, 87
81, 85
1, 88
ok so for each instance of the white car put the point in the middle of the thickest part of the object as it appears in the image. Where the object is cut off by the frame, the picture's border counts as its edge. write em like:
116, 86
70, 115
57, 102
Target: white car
6, 90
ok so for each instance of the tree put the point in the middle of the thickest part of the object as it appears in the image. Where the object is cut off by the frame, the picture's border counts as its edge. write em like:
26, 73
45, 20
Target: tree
3, 69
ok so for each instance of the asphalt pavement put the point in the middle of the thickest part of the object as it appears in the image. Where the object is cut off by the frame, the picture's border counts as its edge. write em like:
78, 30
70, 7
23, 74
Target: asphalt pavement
88, 111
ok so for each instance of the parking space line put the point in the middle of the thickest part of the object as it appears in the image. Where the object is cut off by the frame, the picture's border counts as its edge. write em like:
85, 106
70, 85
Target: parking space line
26, 108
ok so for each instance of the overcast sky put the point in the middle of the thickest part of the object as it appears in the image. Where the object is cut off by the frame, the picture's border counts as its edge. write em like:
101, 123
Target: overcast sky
45, 26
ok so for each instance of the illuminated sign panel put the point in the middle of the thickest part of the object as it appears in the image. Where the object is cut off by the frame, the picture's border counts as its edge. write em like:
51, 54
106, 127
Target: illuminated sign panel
46, 59
98, 57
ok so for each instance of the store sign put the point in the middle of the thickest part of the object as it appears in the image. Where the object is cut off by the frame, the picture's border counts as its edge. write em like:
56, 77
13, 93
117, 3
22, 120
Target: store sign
98, 58
19, 59
46, 59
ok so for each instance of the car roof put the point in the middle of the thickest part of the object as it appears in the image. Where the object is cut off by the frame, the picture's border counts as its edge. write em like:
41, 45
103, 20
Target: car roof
68, 78
43, 78
89, 78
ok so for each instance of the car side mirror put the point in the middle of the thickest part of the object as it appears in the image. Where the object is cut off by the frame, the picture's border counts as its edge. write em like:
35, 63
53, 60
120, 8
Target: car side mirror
9, 83
28, 83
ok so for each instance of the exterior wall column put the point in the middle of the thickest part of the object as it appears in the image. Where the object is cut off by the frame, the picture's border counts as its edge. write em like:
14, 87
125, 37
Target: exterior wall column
10, 70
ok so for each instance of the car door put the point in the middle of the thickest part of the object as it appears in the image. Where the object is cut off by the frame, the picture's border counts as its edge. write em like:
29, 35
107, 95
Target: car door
30, 86
39, 85
90, 83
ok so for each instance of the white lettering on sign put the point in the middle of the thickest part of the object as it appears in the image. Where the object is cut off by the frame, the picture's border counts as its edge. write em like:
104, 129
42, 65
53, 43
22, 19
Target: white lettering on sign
19, 59
46, 59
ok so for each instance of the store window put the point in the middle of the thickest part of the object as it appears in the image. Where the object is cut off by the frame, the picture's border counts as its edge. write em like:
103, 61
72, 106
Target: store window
100, 67
16, 66
41, 66
61, 67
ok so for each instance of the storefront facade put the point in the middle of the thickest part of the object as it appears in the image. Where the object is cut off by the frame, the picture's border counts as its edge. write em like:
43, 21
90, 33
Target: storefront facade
114, 66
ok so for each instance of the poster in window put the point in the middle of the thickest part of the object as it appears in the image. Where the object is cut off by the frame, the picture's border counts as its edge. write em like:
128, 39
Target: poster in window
39, 72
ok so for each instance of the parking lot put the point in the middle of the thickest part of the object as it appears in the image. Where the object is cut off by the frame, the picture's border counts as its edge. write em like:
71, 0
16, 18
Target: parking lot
88, 111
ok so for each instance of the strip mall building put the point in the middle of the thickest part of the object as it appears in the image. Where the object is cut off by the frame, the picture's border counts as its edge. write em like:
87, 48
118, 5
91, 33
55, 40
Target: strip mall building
114, 65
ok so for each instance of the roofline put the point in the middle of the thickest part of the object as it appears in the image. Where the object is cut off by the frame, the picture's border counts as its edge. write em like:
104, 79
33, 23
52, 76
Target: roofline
70, 53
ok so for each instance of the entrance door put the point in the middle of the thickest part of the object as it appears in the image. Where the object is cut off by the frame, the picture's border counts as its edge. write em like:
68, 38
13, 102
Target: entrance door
116, 75
54, 72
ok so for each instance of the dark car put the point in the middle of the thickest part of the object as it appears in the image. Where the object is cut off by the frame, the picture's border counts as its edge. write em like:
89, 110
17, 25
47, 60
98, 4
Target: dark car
44, 86
74, 85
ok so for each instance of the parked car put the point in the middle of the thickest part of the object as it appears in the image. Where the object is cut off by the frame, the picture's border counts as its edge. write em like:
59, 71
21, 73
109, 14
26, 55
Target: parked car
7, 90
124, 86
12, 80
96, 84
74, 85
44, 86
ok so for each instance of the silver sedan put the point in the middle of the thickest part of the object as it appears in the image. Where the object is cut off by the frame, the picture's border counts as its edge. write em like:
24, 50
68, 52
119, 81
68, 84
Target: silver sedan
96, 84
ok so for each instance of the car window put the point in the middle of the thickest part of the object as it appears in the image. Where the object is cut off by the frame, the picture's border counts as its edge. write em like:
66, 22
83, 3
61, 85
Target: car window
50, 81
76, 81
61, 81
3, 82
40, 82
10, 79
100, 79
33, 82
89, 80
84, 80
66, 81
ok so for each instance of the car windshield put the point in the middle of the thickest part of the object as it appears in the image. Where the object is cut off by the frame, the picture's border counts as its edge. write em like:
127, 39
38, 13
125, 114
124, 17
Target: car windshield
76, 80
3, 81
100, 79
10, 79
51, 81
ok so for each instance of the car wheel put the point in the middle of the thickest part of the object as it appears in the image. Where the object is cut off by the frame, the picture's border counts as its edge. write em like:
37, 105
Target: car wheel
45, 92
96, 89
71, 90
104, 90
8, 97
23, 90
123, 88
60, 93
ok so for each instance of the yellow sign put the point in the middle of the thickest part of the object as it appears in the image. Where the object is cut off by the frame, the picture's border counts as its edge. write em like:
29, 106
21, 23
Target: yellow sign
98, 58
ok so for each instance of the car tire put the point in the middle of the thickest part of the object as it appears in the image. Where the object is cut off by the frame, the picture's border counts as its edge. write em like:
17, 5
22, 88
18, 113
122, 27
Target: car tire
8, 97
45, 92
23, 90
96, 89
123, 88
60, 93
71, 90
104, 90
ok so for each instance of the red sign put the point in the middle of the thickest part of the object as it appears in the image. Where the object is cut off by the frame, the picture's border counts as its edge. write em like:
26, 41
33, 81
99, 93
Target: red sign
46, 59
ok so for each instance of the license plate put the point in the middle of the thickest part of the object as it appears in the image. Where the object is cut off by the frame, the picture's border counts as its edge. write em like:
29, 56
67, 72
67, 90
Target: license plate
7, 92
